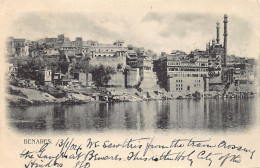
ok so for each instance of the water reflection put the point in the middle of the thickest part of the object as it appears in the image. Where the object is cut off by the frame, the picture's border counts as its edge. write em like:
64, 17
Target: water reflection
163, 116
210, 114
58, 118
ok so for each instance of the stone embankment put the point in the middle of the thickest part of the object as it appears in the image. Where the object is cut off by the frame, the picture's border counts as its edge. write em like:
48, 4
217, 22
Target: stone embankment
18, 96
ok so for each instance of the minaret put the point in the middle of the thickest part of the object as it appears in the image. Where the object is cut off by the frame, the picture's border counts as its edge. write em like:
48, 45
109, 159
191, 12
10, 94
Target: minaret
217, 32
225, 40
209, 47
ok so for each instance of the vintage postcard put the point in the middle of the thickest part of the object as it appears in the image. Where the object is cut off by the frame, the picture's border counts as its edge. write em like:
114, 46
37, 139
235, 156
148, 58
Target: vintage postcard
100, 84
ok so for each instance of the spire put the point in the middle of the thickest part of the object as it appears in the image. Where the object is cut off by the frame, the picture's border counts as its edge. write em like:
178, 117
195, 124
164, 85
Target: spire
225, 39
217, 27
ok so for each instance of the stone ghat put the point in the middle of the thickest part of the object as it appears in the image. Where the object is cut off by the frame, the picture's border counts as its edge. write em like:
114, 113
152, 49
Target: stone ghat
26, 97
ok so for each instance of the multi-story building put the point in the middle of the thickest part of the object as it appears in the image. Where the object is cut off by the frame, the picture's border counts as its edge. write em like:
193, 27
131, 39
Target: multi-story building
17, 47
45, 76
108, 54
131, 58
185, 75
140, 70
190, 75
215, 55
78, 45
107, 50
68, 49
215, 68
145, 65
160, 65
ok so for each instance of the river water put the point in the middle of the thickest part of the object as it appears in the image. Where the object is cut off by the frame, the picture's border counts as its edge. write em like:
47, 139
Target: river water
209, 114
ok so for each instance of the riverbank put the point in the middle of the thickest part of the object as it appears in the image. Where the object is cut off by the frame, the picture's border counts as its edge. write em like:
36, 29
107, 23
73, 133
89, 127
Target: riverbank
19, 96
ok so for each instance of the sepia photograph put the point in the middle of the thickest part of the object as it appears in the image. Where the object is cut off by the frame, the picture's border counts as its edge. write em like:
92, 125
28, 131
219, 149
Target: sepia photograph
162, 68
61, 82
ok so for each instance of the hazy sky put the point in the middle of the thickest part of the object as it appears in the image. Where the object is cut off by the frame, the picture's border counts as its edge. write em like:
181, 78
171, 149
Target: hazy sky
158, 31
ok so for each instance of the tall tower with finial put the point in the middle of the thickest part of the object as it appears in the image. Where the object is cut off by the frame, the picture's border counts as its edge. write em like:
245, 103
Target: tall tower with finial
225, 40
217, 27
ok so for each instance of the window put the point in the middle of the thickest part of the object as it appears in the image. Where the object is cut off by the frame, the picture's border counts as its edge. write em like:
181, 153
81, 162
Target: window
178, 86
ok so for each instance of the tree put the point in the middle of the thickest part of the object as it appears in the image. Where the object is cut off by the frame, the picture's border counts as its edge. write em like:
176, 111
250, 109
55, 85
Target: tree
101, 74
81, 66
29, 69
63, 63
24, 70
37, 63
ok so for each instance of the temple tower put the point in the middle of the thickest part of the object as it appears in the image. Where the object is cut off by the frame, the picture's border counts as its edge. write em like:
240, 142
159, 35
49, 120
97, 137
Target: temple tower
217, 32
225, 40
